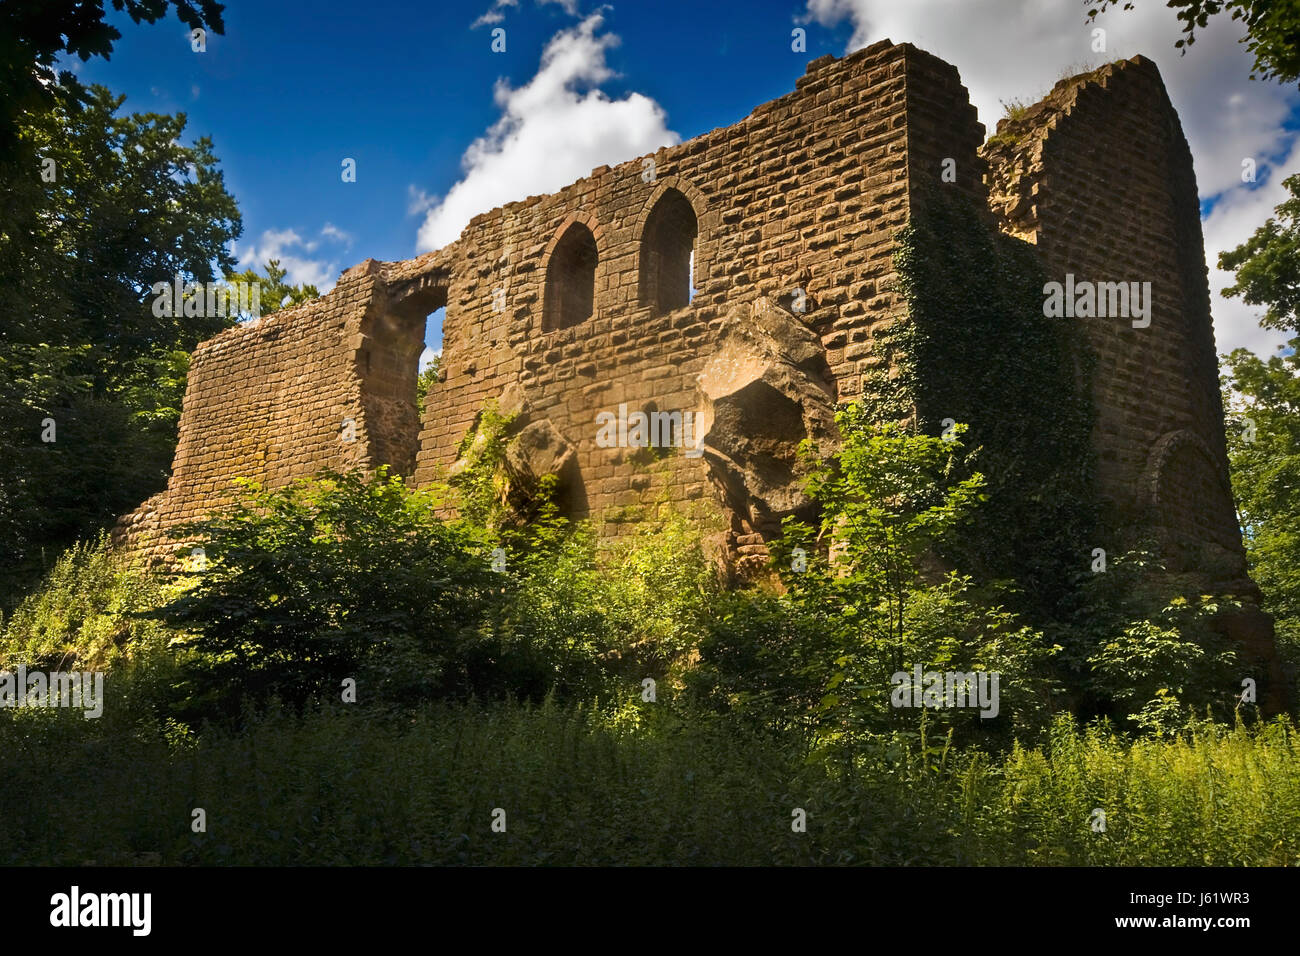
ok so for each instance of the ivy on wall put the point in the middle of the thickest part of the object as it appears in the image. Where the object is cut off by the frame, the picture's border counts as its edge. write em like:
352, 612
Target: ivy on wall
974, 347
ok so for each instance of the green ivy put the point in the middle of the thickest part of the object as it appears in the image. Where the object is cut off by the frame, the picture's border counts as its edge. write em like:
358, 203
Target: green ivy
481, 484
974, 346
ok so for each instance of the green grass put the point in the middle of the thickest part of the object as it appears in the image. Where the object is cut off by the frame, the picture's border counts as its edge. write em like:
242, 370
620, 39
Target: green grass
342, 787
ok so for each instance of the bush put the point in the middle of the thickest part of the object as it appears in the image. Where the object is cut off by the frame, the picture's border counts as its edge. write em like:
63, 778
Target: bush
607, 616
1142, 656
86, 614
337, 578
344, 577
866, 599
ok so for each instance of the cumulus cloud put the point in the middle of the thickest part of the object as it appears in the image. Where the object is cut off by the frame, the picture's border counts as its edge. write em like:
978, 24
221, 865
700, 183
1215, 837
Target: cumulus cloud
331, 231
295, 257
495, 13
1238, 213
1017, 49
554, 129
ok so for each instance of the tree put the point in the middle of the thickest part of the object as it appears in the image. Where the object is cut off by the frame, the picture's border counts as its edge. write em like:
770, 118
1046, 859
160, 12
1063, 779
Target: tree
427, 379
1267, 265
34, 33
867, 598
275, 294
1263, 398
1272, 29
91, 376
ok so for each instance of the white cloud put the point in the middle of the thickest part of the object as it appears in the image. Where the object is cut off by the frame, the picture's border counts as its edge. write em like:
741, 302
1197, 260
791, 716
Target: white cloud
293, 252
331, 231
418, 201
1018, 49
1237, 214
554, 129
494, 13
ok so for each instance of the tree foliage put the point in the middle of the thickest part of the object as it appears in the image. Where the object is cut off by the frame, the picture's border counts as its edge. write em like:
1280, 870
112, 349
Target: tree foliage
867, 597
1267, 265
275, 293
1272, 29
35, 33
1263, 398
332, 579
92, 374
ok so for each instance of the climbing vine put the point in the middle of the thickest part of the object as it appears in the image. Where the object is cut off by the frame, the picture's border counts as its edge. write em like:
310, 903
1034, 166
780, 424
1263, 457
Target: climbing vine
481, 485
974, 347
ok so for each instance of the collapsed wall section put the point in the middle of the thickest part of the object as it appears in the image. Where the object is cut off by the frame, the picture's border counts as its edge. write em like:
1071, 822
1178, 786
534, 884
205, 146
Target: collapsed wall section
330, 383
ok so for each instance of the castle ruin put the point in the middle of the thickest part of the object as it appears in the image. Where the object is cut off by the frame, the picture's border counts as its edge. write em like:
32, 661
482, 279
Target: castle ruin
737, 282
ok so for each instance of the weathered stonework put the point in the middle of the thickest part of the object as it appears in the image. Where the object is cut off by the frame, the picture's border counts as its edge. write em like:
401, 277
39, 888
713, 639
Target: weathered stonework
578, 302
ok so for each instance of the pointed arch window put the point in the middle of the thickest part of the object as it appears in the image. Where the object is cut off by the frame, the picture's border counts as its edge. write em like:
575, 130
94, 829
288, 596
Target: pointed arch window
570, 280
667, 253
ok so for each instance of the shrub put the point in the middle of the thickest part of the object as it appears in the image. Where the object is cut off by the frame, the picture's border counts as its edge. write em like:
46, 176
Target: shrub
333, 578
86, 614
1143, 655
866, 599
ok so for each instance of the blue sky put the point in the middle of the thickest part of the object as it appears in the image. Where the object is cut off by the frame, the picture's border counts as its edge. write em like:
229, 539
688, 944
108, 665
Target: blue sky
292, 89
441, 127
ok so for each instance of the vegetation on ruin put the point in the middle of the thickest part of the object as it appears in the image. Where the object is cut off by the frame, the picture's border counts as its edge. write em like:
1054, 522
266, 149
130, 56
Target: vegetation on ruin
974, 310
620, 703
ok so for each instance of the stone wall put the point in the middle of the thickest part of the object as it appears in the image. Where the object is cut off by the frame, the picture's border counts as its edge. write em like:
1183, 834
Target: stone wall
805, 193
329, 383
801, 198
1099, 176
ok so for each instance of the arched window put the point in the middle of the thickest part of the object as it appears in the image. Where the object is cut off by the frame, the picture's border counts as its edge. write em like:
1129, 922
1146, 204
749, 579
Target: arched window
570, 279
667, 246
